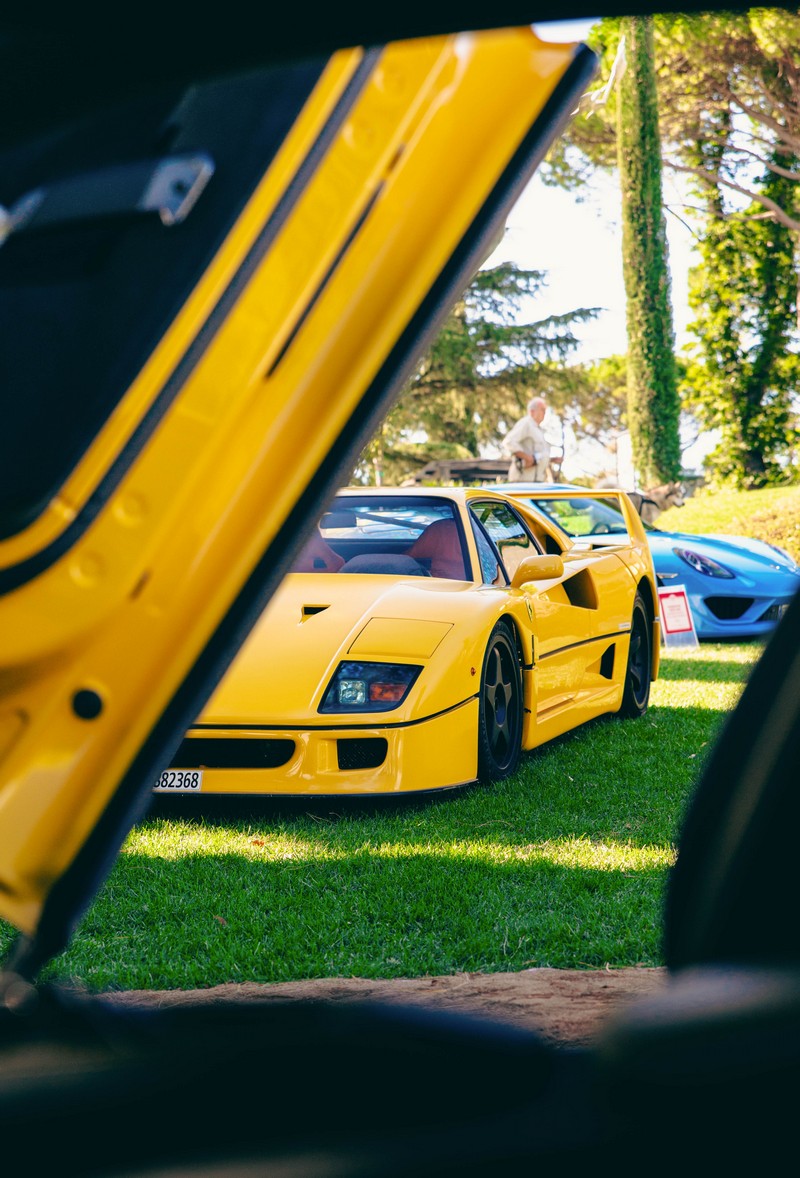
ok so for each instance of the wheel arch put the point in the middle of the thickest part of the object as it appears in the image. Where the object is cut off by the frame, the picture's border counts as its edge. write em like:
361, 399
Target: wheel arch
650, 599
524, 643
514, 628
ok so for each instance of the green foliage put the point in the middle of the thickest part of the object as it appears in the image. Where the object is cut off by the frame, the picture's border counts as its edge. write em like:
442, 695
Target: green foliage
732, 126
729, 120
744, 294
590, 140
481, 370
709, 67
592, 399
653, 409
730, 85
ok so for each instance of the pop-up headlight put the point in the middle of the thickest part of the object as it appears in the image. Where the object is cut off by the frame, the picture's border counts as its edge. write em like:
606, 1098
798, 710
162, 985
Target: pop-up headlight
368, 687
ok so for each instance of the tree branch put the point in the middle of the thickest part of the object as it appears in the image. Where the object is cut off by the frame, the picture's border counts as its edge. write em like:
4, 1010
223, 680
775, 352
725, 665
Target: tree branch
779, 214
788, 173
682, 221
758, 116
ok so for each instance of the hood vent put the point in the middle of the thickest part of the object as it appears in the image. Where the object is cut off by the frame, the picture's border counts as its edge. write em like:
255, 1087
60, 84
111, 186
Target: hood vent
308, 611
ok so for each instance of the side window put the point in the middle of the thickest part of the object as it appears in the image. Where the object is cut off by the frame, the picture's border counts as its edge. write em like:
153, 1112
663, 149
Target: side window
491, 569
507, 533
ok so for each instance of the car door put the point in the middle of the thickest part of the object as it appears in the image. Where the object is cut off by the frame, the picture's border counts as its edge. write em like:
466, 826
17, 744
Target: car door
212, 288
550, 617
577, 622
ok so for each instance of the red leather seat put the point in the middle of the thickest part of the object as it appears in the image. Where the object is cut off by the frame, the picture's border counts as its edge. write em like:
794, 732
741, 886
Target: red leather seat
439, 549
317, 557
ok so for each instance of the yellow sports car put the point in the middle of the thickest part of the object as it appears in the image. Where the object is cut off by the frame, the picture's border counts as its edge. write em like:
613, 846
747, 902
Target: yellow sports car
422, 640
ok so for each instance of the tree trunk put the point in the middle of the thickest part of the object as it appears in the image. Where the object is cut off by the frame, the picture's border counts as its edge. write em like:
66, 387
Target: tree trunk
653, 408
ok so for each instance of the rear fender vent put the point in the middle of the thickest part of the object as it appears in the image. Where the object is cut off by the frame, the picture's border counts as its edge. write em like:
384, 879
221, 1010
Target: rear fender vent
581, 590
237, 752
362, 752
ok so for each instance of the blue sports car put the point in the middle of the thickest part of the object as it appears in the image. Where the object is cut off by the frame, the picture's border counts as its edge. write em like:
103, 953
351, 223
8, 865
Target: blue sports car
737, 587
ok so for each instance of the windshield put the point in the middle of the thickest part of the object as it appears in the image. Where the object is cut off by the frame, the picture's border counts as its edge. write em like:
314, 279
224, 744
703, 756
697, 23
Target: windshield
583, 516
392, 537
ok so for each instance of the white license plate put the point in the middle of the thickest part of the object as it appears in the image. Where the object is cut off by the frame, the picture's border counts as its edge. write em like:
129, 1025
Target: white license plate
185, 781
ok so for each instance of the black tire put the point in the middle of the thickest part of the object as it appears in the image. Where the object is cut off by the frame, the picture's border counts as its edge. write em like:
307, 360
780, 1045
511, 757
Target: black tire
500, 708
636, 694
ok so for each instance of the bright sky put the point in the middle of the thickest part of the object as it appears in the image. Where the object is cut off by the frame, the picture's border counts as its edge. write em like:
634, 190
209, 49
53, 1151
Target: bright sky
578, 243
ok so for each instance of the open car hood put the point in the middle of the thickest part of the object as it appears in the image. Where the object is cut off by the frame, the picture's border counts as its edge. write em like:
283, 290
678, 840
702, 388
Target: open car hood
211, 294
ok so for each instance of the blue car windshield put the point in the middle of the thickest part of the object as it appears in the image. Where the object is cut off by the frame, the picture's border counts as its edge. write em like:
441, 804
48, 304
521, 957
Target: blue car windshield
584, 516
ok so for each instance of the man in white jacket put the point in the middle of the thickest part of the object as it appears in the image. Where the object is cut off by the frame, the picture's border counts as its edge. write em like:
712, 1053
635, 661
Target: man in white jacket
527, 447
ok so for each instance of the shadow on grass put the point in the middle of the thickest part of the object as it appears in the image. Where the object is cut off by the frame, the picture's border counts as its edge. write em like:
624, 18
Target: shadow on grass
221, 810
468, 880
563, 864
607, 780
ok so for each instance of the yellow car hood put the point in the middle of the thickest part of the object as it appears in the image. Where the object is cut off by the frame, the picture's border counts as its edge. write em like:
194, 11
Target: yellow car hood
212, 293
314, 621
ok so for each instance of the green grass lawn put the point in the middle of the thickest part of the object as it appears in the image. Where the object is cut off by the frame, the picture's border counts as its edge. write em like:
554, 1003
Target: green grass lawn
562, 865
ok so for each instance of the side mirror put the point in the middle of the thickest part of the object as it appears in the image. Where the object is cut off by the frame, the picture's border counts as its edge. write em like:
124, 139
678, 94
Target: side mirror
537, 568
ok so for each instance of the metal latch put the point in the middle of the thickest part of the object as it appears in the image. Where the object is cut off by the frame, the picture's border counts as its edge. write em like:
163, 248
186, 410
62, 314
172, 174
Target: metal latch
169, 187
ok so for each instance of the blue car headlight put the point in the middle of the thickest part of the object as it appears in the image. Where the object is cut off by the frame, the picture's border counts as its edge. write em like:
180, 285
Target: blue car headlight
703, 564
368, 687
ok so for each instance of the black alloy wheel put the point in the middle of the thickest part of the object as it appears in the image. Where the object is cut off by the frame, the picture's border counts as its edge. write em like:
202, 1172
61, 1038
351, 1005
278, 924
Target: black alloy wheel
636, 694
500, 712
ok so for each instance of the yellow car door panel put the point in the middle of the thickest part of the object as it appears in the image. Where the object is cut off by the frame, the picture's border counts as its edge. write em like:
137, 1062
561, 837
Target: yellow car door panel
580, 650
232, 365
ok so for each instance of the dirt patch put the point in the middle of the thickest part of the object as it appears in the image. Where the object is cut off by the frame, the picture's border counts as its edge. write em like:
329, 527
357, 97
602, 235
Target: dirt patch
566, 1006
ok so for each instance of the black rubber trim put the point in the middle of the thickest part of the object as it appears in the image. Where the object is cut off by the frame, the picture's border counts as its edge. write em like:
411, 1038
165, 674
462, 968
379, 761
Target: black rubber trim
584, 642
331, 727
72, 893
14, 576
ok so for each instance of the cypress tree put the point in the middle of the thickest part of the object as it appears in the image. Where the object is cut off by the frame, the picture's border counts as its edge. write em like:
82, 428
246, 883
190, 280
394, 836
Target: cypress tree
653, 407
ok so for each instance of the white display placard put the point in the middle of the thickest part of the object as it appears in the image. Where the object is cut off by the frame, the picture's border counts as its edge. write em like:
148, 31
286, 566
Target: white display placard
677, 623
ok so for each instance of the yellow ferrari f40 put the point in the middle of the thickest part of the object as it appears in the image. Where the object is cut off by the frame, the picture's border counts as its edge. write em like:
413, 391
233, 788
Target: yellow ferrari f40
423, 639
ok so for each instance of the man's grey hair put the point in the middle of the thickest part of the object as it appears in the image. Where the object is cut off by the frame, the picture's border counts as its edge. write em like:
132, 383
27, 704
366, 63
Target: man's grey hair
534, 401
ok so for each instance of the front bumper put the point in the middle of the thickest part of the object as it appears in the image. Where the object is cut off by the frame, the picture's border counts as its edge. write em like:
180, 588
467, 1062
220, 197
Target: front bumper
435, 753
720, 615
